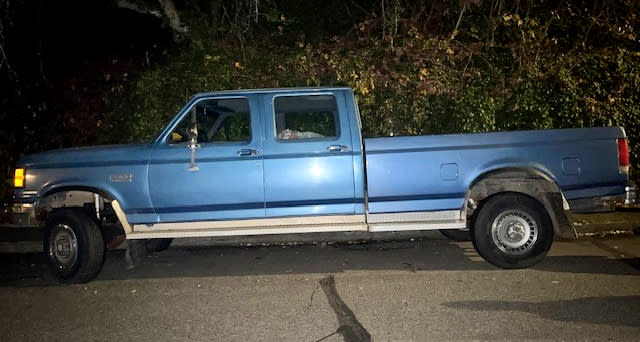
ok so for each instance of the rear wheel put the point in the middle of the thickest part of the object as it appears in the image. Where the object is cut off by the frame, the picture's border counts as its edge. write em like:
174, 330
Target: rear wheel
74, 246
512, 231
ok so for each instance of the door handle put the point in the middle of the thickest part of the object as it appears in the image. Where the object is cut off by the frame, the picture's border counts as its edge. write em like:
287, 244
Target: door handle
247, 152
337, 148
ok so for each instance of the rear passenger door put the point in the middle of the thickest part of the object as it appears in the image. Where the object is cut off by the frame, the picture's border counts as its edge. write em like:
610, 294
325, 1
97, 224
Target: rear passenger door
308, 158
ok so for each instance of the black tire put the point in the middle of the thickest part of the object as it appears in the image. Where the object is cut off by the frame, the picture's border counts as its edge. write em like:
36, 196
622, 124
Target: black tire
158, 245
508, 245
456, 234
85, 255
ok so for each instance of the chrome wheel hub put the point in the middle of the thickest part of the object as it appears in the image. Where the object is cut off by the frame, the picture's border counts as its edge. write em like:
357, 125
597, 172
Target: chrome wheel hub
63, 246
514, 231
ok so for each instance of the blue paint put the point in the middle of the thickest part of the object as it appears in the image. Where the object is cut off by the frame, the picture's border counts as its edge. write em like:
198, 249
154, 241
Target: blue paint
413, 163
319, 177
449, 171
571, 166
302, 177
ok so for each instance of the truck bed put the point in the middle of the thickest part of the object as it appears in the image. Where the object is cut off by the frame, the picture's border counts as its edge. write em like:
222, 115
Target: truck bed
433, 172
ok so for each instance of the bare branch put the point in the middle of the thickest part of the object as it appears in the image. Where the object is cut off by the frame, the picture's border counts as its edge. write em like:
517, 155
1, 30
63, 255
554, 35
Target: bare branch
5, 60
168, 11
3, 56
137, 8
172, 14
455, 29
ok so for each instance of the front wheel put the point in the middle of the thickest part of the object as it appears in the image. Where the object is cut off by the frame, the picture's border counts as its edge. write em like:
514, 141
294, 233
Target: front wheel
74, 246
512, 231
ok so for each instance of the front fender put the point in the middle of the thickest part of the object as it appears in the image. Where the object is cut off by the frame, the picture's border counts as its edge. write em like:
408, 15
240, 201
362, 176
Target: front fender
127, 184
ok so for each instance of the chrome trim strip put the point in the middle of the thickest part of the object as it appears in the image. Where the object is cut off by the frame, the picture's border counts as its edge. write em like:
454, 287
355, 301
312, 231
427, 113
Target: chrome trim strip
419, 216
257, 224
447, 219
387, 227
200, 232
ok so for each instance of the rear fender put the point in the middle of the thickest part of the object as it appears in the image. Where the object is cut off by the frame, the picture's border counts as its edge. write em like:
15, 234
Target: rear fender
531, 183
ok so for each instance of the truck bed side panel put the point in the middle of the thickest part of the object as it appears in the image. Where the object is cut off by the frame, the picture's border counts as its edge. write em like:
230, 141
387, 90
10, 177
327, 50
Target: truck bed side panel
428, 173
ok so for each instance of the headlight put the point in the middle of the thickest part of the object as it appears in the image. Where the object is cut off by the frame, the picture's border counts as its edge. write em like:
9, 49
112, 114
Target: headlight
18, 177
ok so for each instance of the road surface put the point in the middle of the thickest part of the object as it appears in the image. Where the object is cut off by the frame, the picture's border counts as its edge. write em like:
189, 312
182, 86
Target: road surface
428, 289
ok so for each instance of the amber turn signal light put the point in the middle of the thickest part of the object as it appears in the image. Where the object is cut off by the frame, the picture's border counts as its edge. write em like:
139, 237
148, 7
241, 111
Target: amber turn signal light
18, 178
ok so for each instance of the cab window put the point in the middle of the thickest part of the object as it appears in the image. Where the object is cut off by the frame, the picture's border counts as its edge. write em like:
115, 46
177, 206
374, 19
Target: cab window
217, 120
306, 117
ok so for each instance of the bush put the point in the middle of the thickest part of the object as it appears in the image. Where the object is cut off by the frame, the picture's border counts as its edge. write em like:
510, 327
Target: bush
416, 84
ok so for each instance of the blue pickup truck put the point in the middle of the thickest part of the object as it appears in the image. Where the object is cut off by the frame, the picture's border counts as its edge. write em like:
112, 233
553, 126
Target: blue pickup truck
274, 161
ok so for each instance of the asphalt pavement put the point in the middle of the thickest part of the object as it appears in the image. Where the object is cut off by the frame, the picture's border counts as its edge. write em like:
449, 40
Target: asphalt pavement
428, 289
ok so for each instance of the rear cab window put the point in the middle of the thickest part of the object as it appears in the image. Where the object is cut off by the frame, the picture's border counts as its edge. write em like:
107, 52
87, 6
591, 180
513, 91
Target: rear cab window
306, 117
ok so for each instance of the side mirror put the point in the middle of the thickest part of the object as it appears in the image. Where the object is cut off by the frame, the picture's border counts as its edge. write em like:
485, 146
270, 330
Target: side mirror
176, 137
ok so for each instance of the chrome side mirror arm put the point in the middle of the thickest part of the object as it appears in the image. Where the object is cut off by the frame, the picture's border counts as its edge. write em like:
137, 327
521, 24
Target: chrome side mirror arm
193, 142
193, 146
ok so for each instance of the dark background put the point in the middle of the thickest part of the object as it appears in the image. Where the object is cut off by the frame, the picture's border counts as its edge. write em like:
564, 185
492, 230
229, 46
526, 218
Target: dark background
91, 72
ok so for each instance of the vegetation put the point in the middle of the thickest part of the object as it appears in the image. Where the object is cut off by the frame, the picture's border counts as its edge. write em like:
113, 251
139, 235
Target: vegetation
417, 67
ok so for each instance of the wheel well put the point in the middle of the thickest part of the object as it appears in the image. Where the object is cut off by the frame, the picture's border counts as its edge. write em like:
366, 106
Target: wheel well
527, 181
107, 196
486, 199
95, 203
532, 183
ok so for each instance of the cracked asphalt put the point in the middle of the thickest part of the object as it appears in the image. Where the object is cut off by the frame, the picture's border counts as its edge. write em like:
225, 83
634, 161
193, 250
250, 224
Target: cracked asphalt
429, 289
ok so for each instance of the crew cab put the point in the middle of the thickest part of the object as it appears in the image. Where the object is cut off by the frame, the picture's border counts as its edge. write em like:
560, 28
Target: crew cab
275, 161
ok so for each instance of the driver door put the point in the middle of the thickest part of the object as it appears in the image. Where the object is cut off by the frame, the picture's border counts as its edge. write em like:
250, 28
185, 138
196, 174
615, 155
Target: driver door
225, 180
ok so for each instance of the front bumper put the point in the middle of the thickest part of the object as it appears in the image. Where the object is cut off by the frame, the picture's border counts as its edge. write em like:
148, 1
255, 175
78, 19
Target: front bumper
23, 210
631, 195
23, 214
